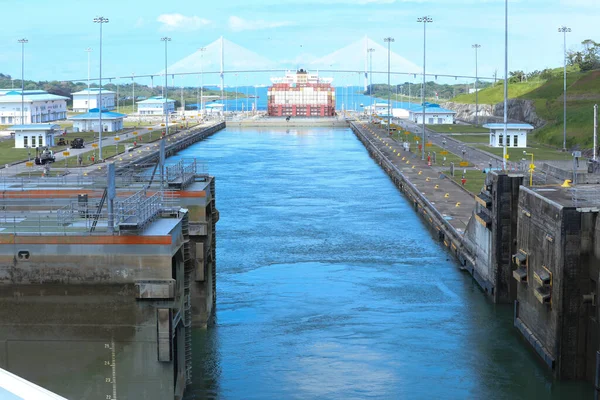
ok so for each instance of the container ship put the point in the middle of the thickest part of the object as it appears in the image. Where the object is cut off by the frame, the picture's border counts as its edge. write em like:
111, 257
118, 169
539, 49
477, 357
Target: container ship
301, 94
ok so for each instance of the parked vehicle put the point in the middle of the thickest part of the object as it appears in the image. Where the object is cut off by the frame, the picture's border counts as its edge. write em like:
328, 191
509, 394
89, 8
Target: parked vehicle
77, 143
43, 155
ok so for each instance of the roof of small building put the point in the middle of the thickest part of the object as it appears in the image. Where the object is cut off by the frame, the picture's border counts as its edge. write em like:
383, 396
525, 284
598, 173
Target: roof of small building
93, 91
35, 127
94, 114
156, 99
14, 96
509, 126
431, 109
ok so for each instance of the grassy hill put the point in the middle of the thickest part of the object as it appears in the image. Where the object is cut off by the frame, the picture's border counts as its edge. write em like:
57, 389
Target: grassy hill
583, 91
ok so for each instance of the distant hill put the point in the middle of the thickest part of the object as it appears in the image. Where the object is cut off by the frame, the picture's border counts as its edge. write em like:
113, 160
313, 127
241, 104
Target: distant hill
583, 91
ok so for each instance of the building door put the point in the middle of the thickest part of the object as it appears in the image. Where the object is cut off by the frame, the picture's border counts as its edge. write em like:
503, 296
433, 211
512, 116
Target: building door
430, 121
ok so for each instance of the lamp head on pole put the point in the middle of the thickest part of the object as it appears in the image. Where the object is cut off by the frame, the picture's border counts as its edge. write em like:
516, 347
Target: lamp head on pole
88, 50
23, 41
101, 20
388, 39
476, 46
425, 19
165, 39
564, 29
370, 50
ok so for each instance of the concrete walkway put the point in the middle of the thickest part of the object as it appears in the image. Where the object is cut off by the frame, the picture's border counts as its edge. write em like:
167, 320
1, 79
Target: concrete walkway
453, 202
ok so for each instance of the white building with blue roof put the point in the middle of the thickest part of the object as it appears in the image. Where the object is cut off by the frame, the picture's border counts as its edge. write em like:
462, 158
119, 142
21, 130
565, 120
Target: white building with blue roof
156, 105
85, 100
38, 107
35, 135
434, 115
89, 122
516, 134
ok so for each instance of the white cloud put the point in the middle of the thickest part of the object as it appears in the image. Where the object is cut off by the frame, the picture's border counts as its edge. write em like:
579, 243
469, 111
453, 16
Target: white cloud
239, 24
173, 22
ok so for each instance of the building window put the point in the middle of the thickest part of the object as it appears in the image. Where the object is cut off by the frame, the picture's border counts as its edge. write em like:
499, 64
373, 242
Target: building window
40, 140
500, 140
33, 141
25, 141
516, 140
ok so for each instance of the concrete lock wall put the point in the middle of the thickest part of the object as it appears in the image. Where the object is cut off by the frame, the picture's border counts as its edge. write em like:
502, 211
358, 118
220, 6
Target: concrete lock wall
491, 233
76, 324
559, 243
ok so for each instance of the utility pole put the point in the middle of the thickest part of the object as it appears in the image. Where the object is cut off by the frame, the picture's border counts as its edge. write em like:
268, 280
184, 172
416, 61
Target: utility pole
504, 150
595, 131
425, 20
476, 46
133, 93
22, 41
389, 40
166, 104
101, 21
370, 52
88, 51
564, 31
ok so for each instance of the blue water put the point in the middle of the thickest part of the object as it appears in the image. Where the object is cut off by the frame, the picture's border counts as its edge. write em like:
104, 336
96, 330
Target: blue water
330, 287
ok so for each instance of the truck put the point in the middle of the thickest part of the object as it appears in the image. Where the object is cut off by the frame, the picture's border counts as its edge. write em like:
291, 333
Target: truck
44, 155
77, 143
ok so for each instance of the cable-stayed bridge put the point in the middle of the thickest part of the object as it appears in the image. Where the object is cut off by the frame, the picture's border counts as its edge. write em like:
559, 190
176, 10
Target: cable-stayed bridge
223, 58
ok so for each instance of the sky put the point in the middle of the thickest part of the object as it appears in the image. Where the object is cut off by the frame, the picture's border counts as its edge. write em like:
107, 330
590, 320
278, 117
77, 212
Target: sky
290, 33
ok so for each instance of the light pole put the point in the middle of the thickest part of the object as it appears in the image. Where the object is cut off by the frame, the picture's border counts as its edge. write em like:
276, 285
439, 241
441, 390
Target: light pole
236, 93
199, 103
101, 21
425, 20
476, 46
504, 150
564, 31
389, 40
133, 93
22, 41
370, 51
88, 51
166, 104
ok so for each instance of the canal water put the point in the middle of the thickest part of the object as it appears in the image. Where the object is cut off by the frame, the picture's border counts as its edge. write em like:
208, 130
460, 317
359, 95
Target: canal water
330, 287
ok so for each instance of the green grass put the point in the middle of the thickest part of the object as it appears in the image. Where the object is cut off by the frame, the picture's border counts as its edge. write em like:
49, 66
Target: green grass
429, 150
449, 128
475, 179
473, 139
540, 153
495, 94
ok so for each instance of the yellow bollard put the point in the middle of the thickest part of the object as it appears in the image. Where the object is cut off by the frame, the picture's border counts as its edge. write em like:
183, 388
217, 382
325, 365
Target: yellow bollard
403, 158
436, 187
420, 172
447, 195
413, 167
458, 204
408, 162
427, 179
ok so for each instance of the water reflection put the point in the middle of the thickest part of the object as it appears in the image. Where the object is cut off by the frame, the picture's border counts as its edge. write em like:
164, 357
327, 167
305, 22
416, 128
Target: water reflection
329, 286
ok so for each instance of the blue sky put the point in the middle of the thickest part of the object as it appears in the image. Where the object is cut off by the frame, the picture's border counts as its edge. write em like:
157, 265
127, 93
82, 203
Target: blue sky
286, 31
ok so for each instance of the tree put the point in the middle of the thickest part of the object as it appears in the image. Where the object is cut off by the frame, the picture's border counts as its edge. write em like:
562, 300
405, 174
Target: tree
516, 76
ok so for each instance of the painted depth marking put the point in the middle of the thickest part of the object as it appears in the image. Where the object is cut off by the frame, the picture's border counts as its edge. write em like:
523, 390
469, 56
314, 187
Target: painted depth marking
114, 369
